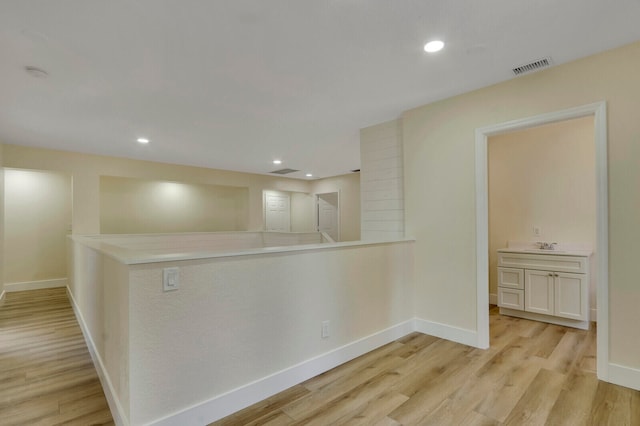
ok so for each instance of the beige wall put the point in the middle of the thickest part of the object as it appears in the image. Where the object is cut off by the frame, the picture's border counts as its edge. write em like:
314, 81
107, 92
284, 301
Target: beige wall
439, 156
543, 177
37, 217
302, 214
87, 169
349, 187
134, 206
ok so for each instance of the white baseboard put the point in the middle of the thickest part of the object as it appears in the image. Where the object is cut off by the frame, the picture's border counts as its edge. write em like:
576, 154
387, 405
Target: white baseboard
455, 334
583, 325
624, 376
244, 396
117, 412
35, 285
593, 315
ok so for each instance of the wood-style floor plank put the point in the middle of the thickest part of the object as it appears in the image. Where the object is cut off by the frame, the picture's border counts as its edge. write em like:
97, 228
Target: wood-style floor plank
536, 403
46, 373
533, 374
573, 405
356, 364
302, 407
612, 406
264, 409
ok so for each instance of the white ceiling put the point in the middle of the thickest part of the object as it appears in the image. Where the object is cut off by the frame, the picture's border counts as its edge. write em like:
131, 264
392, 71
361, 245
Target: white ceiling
233, 84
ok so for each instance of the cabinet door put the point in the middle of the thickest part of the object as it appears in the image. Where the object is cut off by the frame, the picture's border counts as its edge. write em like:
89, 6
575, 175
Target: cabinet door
571, 296
511, 298
538, 292
511, 277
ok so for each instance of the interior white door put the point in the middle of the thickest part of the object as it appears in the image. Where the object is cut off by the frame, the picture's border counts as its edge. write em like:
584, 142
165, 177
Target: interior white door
277, 212
328, 214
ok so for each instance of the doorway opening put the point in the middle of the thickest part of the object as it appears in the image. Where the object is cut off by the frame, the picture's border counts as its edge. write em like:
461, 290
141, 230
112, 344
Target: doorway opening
598, 111
37, 220
328, 214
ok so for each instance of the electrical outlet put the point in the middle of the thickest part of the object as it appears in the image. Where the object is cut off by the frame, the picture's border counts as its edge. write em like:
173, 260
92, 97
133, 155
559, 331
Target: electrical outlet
537, 231
325, 329
171, 278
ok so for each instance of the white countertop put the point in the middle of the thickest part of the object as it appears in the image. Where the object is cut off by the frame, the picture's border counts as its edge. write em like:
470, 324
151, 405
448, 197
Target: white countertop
563, 249
133, 257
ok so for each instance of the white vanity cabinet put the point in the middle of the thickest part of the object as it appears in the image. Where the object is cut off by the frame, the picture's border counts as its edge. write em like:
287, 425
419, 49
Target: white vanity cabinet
545, 287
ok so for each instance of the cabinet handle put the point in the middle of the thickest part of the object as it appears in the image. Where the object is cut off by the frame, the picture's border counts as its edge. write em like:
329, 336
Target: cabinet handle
550, 274
555, 275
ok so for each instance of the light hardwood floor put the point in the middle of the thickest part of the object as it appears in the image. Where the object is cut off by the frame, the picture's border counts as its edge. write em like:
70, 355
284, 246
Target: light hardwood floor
46, 373
533, 374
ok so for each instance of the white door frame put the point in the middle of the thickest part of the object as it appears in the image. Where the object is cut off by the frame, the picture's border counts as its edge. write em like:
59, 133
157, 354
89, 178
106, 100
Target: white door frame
599, 111
317, 219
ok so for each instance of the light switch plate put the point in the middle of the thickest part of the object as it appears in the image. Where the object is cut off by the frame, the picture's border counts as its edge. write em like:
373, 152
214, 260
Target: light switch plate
171, 278
325, 329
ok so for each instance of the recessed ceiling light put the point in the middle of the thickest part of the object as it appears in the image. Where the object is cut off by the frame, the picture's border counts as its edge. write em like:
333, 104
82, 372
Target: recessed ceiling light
277, 161
143, 140
433, 46
309, 175
36, 72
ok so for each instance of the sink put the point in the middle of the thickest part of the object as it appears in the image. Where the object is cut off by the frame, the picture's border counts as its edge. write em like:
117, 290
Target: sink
544, 251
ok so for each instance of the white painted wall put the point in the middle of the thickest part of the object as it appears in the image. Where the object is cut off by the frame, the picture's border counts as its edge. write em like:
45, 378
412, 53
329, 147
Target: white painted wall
236, 320
381, 181
99, 289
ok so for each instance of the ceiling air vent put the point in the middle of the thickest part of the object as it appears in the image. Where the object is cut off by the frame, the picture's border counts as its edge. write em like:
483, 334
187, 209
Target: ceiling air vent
284, 171
532, 66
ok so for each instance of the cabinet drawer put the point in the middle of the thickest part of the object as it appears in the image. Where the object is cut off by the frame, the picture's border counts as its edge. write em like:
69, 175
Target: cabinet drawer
547, 262
511, 298
511, 278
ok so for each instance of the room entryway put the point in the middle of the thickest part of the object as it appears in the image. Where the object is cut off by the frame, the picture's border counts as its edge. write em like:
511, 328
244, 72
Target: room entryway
598, 112
328, 213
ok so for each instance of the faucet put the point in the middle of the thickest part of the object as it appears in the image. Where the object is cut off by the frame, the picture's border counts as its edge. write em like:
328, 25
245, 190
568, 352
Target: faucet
547, 246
